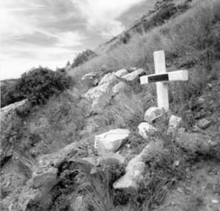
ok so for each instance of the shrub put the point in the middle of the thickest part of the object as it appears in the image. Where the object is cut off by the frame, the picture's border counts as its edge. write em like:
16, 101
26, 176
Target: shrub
8, 93
40, 84
83, 57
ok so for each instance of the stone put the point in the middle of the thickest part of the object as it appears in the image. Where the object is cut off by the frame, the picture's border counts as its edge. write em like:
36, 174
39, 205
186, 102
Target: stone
54, 159
108, 78
121, 72
93, 77
111, 141
204, 123
133, 75
146, 130
10, 108
78, 204
118, 88
194, 142
152, 114
46, 178
99, 96
174, 123
136, 167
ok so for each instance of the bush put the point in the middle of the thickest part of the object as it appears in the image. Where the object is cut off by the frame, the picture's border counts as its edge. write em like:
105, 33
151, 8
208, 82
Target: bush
9, 94
39, 84
83, 57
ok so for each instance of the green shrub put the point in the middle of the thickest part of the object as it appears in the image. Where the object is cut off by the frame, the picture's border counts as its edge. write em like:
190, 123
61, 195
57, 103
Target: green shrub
8, 93
39, 84
83, 57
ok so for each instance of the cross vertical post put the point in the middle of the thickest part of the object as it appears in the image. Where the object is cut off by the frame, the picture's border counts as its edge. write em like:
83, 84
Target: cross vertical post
162, 88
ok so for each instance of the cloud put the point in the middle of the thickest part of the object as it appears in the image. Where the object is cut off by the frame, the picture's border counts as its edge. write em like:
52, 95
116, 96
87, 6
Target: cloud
102, 15
32, 33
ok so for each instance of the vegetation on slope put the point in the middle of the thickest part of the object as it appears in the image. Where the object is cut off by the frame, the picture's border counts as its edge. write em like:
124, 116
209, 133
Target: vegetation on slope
37, 85
191, 41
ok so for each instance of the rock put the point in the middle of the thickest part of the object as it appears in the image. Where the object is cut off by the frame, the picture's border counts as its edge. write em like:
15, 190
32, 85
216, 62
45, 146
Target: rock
78, 204
45, 179
118, 88
136, 167
133, 75
5, 111
54, 159
201, 100
194, 142
111, 140
92, 77
100, 96
146, 130
121, 72
108, 78
174, 124
152, 114
204, 123
215, 201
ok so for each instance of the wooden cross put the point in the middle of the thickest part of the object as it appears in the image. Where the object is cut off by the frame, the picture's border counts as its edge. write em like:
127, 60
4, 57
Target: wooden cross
162, 77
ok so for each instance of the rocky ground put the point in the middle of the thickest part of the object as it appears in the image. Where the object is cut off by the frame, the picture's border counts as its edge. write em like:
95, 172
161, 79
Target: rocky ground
102, 151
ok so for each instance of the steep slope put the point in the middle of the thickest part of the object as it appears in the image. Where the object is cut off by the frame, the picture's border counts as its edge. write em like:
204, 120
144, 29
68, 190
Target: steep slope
48, 157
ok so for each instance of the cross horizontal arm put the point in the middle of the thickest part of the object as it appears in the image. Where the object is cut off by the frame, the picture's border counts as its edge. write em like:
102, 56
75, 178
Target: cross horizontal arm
180, 75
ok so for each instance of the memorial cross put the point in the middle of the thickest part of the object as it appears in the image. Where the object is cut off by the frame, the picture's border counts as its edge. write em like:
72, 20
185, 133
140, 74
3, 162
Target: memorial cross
161, 77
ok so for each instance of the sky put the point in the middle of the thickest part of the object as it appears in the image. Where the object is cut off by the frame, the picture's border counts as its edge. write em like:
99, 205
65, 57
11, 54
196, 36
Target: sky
49, 33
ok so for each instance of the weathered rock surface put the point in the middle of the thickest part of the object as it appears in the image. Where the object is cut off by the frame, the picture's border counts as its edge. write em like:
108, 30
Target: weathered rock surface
118, 88
111, 140
146, 130
92, 77
195, 142
39, 190
204, 123
99, 96
152, 114
108, 78
56, 158
133, 75
136, 167
174, 124
121, 72
5, 111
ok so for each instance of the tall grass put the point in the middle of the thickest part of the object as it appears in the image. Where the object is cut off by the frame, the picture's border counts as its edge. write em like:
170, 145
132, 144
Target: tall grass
191, 41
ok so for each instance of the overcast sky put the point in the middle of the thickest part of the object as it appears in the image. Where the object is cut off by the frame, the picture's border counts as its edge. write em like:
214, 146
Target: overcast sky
51, 32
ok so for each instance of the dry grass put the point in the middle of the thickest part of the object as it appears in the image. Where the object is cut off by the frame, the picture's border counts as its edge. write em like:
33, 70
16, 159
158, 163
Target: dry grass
191, 41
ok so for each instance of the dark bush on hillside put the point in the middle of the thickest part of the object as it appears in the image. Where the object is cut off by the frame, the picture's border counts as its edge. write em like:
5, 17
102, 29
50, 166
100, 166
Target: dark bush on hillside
39, 84
9, 94
83, 57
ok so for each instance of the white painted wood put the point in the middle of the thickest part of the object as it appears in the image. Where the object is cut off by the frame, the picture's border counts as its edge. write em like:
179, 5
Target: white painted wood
180, 75
161, 79
162, 88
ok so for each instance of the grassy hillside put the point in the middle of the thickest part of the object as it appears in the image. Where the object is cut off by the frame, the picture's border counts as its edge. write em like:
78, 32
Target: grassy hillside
182, 175
191, 41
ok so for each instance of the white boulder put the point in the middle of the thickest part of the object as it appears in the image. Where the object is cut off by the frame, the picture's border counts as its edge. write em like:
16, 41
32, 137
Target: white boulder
174, 123
111, 140
136, 167
146, 130
121, 72
5, 111
152, 114
99, 96
108, 78
133, 75
118, 88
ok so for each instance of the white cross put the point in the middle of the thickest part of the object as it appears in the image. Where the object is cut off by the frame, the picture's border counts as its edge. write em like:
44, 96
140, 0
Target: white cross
162, 77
